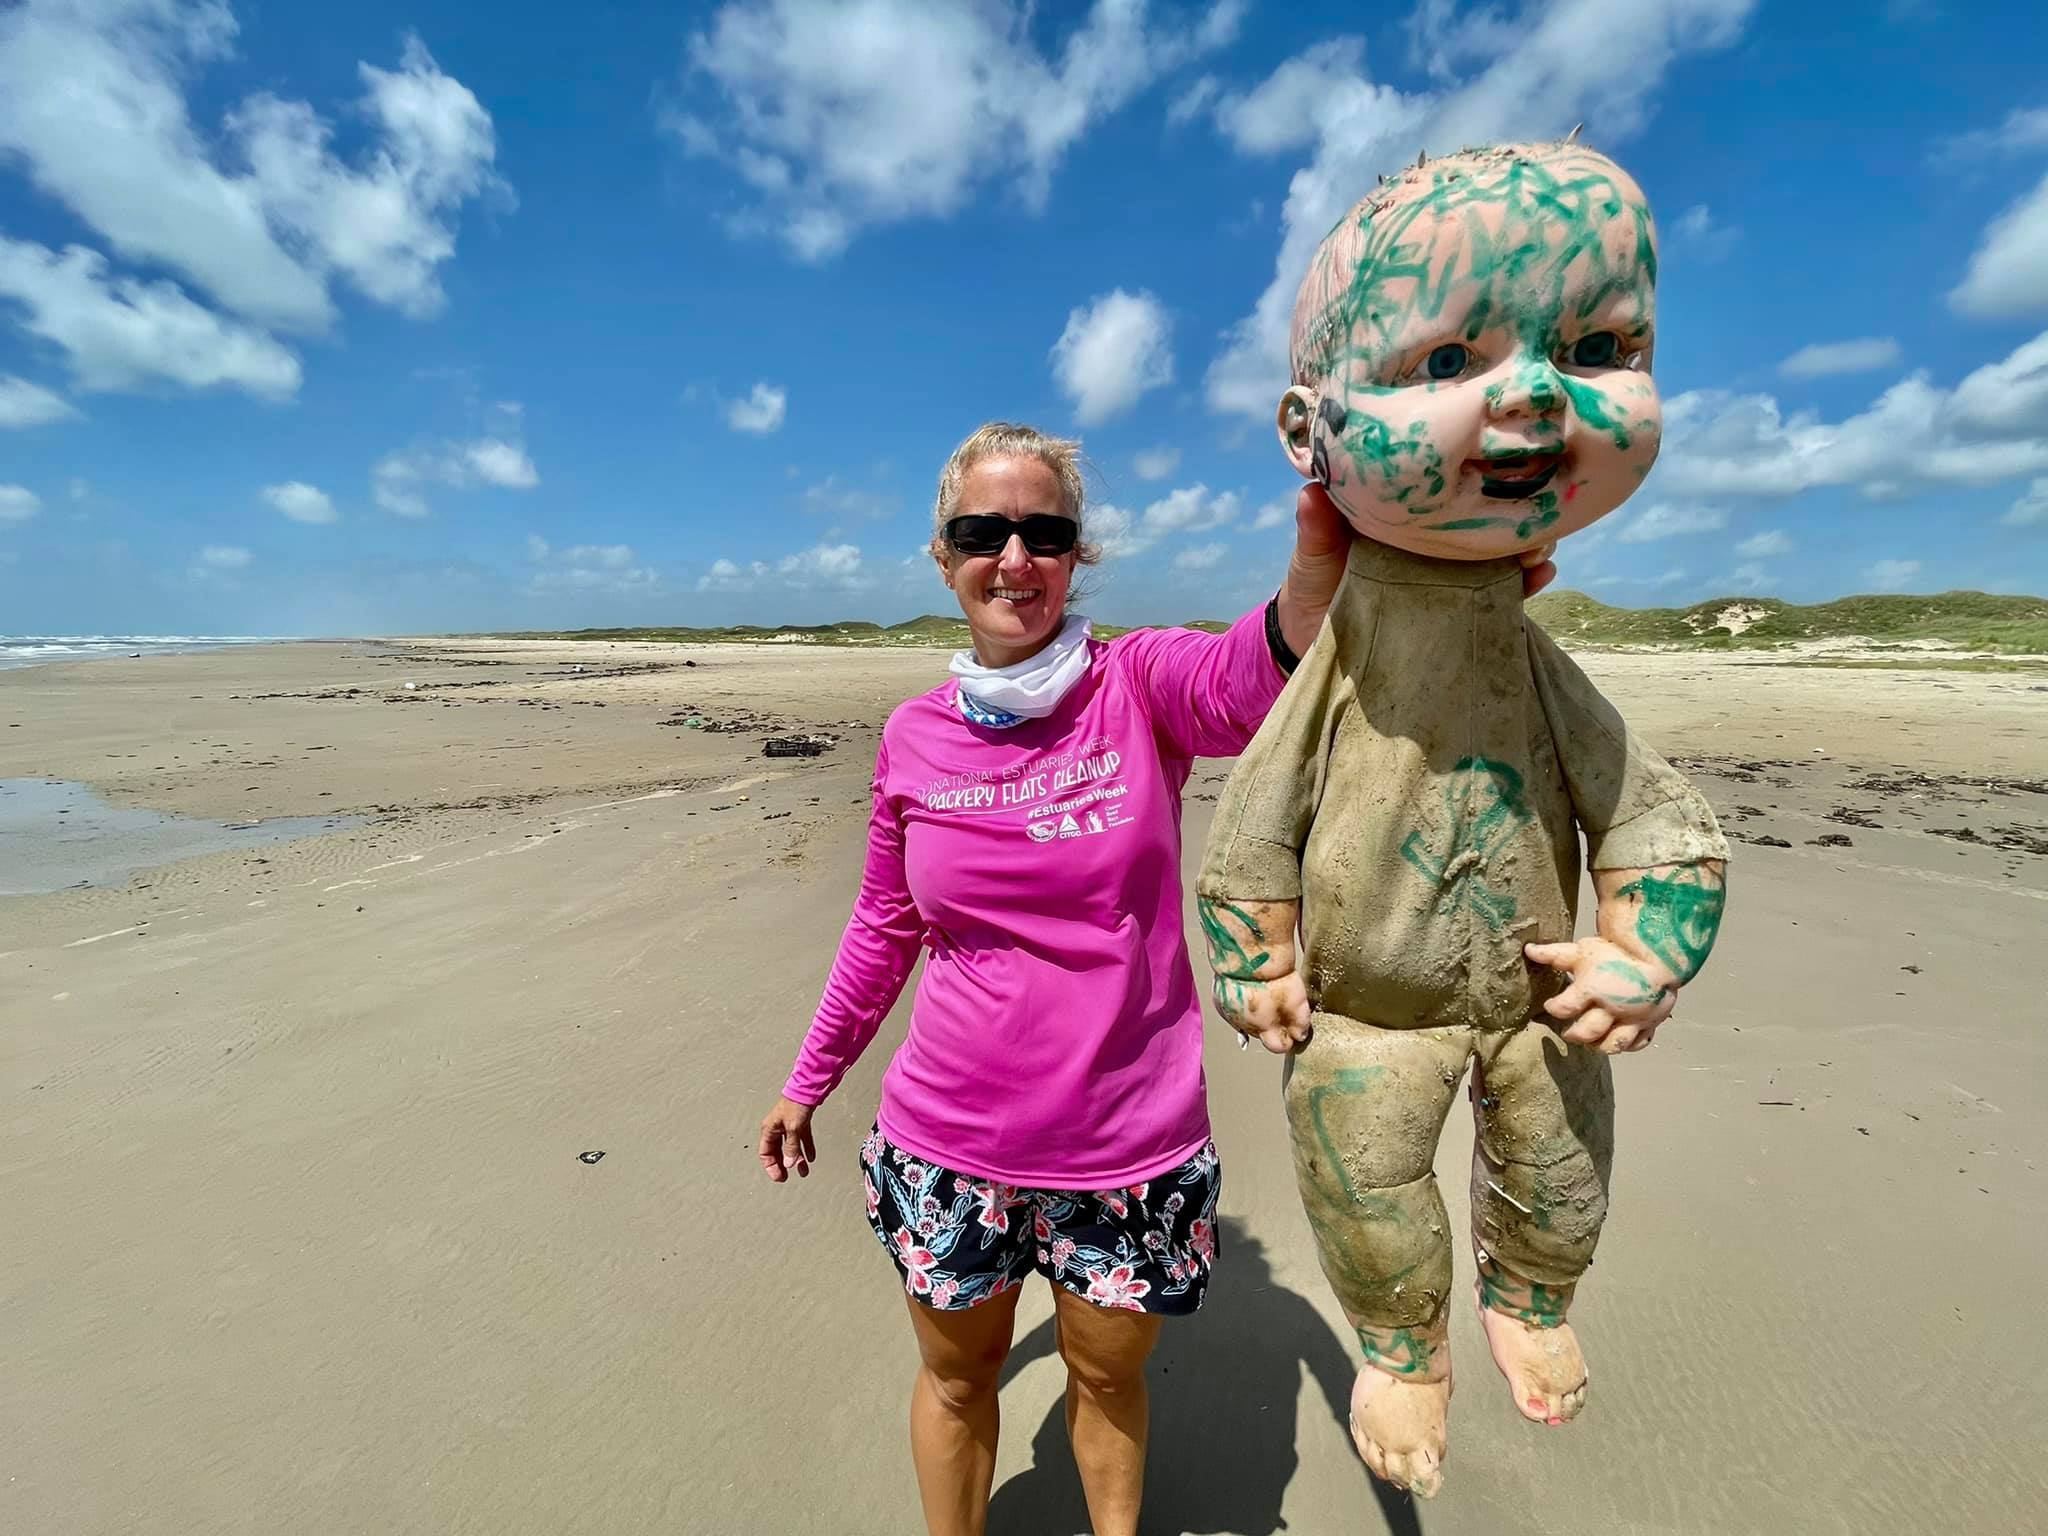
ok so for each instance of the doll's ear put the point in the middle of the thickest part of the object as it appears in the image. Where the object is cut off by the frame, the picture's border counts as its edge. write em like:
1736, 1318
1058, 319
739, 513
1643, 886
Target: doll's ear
1296, 421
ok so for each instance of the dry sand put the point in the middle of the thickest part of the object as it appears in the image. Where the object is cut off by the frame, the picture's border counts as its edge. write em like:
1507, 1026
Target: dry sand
297, 1237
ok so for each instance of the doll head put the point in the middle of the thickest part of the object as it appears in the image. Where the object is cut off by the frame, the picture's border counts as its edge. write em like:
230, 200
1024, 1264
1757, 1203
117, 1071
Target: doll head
1471, 352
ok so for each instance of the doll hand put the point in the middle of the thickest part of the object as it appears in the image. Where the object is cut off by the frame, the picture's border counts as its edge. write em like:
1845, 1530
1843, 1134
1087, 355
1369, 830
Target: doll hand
1258, 990
1616, 1000
1274, 1013
1538, 569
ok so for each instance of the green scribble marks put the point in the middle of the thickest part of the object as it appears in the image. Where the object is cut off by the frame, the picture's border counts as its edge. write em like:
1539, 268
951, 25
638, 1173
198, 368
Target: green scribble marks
1347, 1082
1395, 291
1483, 803
1397, 1351
1228, 955
1643, 990
1594, 414
1543, 1305
1680, 916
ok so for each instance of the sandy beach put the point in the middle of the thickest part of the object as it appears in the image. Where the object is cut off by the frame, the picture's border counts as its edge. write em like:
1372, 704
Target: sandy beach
300, 1236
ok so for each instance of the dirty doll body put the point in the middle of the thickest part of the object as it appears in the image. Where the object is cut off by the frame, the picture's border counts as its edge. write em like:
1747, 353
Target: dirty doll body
1470, 353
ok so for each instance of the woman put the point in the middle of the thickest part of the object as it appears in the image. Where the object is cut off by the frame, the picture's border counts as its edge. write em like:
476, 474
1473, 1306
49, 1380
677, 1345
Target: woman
1046, 1110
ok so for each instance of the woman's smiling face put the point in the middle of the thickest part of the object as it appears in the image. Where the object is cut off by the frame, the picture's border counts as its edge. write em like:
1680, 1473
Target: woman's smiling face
1484, 334
1014, 600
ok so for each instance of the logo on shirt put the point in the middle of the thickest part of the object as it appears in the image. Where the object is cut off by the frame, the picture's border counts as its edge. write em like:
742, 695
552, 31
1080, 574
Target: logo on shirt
1072, 824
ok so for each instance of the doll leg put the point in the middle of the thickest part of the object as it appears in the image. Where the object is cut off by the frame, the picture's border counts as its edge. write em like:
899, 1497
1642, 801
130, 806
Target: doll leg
1364, 1109
1545, 1113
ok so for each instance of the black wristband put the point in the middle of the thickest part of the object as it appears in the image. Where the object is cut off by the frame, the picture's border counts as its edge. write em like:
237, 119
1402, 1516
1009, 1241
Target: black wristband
1283, 658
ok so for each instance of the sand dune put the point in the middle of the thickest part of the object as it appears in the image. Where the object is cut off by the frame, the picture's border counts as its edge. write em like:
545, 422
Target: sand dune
300, 1238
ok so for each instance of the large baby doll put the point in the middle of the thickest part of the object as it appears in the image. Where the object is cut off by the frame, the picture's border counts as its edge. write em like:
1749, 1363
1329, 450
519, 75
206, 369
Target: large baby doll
1471, 354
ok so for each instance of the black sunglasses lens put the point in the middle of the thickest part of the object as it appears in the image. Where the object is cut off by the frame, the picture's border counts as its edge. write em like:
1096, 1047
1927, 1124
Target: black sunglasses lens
1043, 534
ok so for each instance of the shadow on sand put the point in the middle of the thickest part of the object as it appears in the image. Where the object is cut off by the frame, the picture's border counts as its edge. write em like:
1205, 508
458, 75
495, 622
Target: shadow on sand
1225, 1385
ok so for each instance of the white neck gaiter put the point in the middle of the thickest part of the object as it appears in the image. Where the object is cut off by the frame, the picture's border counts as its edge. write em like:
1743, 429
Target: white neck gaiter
1029, 690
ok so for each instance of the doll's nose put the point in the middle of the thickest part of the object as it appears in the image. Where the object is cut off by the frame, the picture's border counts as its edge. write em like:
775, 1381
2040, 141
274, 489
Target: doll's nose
1531, 389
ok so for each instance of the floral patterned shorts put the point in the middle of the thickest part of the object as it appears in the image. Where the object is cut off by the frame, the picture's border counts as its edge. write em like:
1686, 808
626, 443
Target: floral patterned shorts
958, 1240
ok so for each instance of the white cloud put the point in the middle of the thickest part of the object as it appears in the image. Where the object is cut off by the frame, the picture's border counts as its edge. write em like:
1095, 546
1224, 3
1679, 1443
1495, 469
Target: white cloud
120, 333
1533, 79
588, 568
1671, 520
23, 404
1191, 509
1274, 514
836, 117
1823, 359
225, 557
837, 567
2024, 129
1891, 575
726, 576
1670, 578
1753, 577
397, 479
497, 462
1769, 544
761, 413
1202, 557
829, 498
1696, 229
260, 213
1156, 463
1991, 428
1284, 110
2031, 510
2008, 272
300, 502
1194, 101
18, 503
1113, 350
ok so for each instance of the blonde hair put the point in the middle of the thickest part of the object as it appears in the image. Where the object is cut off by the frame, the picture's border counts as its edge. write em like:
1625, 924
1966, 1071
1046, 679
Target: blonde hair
1010, 440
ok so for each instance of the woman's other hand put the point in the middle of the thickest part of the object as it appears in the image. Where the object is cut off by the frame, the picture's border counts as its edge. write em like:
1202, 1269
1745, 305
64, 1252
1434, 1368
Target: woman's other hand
786, 1141
1538, 569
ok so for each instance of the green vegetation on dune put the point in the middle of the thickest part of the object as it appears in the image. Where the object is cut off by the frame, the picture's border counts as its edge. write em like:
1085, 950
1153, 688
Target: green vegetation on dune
1975, 621
1972, 621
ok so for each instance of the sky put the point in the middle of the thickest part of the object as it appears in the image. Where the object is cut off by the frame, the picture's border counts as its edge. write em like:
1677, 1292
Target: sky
426, 316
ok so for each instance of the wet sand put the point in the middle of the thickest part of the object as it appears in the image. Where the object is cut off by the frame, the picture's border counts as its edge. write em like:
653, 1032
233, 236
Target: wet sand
300, 1238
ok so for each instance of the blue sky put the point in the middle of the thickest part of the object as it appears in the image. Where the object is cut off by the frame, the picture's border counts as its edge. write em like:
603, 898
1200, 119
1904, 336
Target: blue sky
389, 317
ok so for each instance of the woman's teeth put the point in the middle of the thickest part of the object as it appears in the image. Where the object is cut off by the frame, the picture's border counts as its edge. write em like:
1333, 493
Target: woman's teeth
1012, 594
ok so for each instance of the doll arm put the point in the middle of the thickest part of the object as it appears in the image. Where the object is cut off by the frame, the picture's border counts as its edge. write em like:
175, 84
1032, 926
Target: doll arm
1658, 859
1656, 928
1248, 893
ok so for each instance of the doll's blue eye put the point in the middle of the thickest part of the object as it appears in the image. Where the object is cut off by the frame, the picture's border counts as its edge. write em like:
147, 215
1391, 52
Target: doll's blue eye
1447, 361
1598, 350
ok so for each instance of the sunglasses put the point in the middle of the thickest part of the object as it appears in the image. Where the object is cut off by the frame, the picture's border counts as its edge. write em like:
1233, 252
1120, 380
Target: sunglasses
1043, 533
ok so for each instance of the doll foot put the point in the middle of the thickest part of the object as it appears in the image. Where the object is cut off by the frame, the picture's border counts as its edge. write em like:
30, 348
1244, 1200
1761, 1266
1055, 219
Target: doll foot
1398, 1427
1546, 1372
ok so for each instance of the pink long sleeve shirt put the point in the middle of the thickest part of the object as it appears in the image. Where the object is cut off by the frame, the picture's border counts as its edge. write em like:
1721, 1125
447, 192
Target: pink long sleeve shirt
1056, 1036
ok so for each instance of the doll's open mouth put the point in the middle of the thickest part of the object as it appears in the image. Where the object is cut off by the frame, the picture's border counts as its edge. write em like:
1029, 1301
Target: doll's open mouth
1510, 478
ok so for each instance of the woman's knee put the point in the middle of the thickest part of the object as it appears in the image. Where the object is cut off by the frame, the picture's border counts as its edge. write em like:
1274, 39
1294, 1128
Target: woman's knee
963, 1361
1109, 1358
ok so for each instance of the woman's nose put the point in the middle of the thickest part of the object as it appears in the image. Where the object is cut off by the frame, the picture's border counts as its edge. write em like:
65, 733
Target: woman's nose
1014, 557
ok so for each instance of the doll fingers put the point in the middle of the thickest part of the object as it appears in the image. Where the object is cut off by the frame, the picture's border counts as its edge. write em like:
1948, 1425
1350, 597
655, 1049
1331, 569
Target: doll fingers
1568, 1004
1561, 956
1593, 1025
1623, 1037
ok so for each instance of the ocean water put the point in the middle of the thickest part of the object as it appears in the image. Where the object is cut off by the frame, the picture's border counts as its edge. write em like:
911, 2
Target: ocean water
55, 834
28, 650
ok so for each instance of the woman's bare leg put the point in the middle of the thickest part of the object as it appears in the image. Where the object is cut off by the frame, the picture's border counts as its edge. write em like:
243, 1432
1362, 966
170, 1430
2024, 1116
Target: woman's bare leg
953, 1416
1107, 1407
